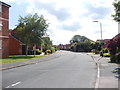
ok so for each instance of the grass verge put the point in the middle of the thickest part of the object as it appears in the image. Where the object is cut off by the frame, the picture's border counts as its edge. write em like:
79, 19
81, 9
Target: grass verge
18, 58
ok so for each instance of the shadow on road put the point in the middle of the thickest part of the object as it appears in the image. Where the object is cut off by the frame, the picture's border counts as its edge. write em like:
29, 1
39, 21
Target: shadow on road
116, 71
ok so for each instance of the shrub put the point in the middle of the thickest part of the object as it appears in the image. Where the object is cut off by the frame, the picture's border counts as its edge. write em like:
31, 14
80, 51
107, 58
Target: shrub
48, 52
105, 52
56, 49
52, 49
97, 52
112, 58
38, 52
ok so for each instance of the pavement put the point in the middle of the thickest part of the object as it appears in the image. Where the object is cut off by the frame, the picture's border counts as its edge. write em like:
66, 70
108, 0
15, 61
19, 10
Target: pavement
108, 73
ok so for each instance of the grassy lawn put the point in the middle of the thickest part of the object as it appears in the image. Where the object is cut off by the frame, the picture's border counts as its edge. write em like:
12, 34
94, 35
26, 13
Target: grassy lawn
18, 58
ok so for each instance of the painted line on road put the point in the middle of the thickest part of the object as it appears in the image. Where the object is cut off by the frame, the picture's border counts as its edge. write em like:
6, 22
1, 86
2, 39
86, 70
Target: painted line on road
13, 85
98, 77
98, 73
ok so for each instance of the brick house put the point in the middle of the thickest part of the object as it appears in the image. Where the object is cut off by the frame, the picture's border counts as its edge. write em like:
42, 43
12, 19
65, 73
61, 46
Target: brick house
4, 30
116, 38
64, 47
15, 46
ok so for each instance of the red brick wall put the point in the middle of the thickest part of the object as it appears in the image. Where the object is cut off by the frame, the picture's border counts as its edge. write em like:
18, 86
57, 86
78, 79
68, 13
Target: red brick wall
5, 47
5, 23
14, 46
5, 32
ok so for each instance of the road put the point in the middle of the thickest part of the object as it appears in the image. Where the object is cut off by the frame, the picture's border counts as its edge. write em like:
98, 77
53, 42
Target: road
71, 70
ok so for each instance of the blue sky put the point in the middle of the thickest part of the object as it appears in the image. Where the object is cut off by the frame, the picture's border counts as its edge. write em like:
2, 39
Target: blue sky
68, 17
16, 10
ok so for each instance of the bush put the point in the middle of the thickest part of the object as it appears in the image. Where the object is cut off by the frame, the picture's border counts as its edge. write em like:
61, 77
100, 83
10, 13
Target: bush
48, 52
52, 49
105, 52
56, 49
97, 52
112, 58
38, 52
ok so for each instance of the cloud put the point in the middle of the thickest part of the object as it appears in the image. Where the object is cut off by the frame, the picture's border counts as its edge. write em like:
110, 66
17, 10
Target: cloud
95, 11
72, 27
61, 14
70, 17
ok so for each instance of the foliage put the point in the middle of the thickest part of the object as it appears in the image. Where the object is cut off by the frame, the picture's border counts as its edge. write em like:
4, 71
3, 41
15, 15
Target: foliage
48, 52
105, 52
82, 44
95, 51
47, 43
114, 47
55, 48
31, 28
116, 5
117, 55
38, 52
79, 38
52, 49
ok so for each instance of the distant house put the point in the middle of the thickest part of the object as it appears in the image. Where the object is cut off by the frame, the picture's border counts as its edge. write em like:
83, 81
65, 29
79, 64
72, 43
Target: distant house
15, 46
116, 39
64, 47
4, 30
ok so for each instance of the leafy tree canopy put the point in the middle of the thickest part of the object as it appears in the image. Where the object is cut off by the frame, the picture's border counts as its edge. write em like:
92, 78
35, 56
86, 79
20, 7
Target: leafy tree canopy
79, 38
31, 29
116, 5
47, 43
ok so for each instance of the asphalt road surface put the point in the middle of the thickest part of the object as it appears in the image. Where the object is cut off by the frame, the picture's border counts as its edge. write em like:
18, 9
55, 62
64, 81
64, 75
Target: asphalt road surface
71, 70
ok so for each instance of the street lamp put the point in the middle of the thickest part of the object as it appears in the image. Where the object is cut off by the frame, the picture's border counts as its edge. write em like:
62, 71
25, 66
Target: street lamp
100, 27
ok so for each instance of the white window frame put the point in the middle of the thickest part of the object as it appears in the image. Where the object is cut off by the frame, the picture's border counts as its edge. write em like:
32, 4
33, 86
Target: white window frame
0, 44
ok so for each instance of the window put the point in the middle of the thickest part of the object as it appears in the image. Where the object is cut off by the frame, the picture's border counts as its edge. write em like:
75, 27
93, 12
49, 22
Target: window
0, 44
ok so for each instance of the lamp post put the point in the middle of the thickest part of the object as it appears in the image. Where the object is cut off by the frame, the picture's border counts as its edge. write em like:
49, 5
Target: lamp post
100, 27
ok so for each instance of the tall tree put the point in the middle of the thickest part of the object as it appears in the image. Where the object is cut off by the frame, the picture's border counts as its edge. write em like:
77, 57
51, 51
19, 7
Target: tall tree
31, 29
47, 43
116, 5
79, 38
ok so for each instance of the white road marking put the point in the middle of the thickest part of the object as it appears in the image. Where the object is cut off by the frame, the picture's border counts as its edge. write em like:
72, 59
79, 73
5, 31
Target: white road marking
16, 84
98, 74
98, 77
13, 85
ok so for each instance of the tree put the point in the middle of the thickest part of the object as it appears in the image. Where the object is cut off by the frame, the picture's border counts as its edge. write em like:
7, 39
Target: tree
79, 38
116, 5
81, 43
47, 43
31, 29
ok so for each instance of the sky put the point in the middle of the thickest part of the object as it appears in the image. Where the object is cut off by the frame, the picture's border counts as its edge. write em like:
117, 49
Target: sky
68, 17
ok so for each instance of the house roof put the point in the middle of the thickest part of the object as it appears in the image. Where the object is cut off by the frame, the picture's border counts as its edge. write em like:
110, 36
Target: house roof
16, 39
5, 4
